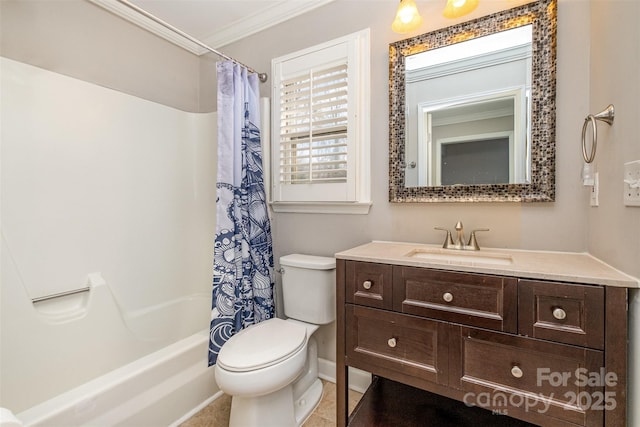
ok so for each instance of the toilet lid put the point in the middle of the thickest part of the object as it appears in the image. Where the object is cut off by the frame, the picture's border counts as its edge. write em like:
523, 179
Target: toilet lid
261, 345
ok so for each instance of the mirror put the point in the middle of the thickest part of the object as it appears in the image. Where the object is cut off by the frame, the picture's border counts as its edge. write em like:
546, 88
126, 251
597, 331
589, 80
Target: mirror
472, 110
467, 111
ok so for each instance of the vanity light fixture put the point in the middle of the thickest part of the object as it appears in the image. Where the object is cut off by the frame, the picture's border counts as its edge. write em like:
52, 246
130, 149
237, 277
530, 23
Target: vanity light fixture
407, 17
457, 8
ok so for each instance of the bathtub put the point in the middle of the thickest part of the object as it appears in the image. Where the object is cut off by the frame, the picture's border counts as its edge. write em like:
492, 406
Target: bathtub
156, 375
161, 389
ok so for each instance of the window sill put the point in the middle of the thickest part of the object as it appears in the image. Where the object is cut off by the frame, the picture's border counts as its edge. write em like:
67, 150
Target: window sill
355, 208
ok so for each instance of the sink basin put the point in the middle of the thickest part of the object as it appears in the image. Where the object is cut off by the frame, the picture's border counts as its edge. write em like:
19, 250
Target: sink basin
452, 256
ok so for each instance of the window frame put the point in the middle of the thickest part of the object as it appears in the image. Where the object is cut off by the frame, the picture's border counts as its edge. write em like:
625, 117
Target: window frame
354, 196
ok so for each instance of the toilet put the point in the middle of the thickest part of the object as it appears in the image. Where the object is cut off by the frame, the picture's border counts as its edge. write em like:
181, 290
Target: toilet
270, 369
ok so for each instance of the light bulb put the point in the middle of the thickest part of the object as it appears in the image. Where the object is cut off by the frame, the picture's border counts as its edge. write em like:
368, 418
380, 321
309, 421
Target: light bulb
407, 17
458, 8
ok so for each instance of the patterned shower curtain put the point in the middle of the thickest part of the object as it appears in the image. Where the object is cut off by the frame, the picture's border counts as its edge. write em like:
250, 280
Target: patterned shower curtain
243, 255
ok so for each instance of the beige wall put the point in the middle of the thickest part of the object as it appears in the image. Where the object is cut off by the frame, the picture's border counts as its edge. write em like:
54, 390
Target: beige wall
81, 40
551, 226
614, 229
598, 63
610, 231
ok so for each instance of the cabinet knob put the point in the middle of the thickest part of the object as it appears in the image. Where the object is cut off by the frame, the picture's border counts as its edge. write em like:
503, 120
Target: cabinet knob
517, 372
447, 296
392, 342
367, 284
559, 313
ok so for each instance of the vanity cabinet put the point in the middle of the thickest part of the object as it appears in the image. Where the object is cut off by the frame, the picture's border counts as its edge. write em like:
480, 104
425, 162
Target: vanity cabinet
546, 352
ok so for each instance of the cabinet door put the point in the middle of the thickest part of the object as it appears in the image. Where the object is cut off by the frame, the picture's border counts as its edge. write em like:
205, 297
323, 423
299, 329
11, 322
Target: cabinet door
369, 284
567, 313
470, 299
534, 380
384, 342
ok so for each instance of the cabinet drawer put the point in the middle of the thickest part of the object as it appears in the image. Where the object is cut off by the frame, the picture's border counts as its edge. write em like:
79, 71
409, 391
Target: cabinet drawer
530, 378
567, 313
395, 342
470, 299
369, 284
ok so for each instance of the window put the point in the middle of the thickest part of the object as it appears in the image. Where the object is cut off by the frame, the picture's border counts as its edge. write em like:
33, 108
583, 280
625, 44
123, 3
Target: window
320, 128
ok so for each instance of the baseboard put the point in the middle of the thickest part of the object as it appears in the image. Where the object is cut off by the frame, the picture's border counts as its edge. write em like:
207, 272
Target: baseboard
197, 409
358, 380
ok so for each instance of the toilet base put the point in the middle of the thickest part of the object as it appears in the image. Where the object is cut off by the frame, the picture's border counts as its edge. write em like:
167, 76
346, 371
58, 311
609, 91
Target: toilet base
270, 410
275, 409
289, 406
308, 402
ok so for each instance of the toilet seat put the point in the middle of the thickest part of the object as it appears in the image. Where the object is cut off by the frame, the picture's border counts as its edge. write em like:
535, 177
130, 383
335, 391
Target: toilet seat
259, 346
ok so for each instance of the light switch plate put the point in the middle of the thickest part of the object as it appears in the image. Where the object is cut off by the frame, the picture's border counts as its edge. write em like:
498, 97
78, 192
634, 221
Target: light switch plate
632, 183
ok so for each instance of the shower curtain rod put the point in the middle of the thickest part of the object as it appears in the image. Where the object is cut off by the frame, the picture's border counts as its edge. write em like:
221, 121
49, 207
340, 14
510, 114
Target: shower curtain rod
261, 76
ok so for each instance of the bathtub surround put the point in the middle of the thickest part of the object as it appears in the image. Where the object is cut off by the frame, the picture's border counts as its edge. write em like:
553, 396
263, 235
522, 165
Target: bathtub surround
243, 254
113, 192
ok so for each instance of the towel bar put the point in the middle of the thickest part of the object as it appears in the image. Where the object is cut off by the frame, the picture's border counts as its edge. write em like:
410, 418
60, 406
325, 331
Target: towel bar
61, 294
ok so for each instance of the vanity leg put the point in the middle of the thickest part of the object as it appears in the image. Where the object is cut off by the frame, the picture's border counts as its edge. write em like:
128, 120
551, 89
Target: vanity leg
342, 394
616, 339
342, 377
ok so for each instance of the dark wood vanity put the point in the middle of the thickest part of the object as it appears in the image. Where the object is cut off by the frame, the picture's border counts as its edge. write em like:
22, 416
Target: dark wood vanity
548, 352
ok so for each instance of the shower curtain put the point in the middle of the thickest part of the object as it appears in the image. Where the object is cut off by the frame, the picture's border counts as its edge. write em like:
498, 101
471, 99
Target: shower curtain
243, 276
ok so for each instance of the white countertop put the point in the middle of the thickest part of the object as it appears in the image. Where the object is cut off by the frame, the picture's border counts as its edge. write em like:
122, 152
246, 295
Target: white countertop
545, 265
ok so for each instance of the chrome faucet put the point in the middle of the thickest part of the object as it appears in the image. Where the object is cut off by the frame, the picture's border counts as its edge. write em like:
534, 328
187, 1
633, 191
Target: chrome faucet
459, 244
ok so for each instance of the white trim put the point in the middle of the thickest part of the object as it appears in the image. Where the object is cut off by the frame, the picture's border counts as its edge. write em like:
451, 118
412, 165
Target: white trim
148, 24
465, 65
428, 160
197, 409
358, 380
515, 92
265, 139
261, 20
234, 31
476, 116
356, 208
354, 195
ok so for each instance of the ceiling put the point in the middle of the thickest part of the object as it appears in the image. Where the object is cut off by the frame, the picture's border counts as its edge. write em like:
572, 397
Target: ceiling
214, 22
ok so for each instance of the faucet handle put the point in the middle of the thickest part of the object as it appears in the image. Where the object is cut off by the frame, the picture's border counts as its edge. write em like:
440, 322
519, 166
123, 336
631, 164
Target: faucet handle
448, 241
472, 238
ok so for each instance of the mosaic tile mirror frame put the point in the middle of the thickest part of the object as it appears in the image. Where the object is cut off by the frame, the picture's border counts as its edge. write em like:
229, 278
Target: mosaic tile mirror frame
540, 185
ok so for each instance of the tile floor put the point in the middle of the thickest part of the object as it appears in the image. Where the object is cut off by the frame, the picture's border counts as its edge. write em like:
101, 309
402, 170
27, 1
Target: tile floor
217, 413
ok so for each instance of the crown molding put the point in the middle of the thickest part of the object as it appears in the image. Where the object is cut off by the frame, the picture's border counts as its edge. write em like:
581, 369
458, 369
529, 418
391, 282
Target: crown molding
261, 20
229, 33
142, 21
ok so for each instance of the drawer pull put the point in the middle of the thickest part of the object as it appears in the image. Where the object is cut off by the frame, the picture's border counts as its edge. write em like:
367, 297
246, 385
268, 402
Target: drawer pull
392, 342
559, 313
448, 296
517, 372
367, 284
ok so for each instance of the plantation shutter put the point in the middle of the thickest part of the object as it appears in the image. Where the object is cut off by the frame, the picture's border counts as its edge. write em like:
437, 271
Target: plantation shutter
314, 136
320, 151
314, 127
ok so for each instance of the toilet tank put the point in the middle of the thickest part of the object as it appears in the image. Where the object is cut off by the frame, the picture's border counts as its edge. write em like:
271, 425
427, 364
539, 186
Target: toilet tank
309, 288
